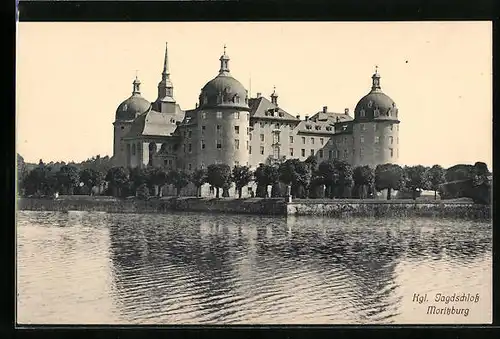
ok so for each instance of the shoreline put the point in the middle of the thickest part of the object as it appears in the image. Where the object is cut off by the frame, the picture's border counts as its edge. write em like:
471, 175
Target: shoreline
334, 208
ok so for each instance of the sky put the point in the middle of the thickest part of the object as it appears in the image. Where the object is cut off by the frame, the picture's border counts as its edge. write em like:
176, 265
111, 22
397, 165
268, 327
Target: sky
72, 76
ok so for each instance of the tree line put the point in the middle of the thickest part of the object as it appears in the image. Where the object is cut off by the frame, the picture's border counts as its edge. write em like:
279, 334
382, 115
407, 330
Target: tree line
306, 179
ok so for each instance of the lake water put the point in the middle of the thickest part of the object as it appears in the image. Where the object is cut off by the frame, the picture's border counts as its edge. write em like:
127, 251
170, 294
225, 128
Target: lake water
192, 268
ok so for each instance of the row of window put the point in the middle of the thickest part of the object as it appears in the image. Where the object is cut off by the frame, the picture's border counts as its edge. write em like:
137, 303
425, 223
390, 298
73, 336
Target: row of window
390, 139
377, 127
218, 115
361, 153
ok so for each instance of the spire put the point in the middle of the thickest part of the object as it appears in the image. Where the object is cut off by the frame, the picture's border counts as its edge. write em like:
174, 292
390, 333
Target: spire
137, 85
166, 71
274, 97
165, 87
376, 80
224, 63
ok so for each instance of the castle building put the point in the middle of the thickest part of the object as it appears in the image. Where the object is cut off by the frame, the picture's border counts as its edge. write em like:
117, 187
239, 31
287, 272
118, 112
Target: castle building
227, 126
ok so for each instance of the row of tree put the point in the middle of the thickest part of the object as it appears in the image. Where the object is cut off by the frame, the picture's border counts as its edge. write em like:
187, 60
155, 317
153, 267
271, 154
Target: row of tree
306, 179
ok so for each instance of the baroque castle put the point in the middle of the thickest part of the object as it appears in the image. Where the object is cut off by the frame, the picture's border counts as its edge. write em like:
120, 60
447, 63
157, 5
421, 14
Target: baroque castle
227, 126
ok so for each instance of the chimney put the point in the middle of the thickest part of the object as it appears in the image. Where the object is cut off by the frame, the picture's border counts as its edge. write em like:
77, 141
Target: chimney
325, 109
259, 95
346, 111
306, 117
298, 117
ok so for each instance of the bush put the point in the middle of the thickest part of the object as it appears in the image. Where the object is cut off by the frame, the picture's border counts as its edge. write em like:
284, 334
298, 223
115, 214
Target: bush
142, 192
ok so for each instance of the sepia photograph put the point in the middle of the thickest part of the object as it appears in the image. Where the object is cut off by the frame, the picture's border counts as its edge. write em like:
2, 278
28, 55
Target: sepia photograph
254, 173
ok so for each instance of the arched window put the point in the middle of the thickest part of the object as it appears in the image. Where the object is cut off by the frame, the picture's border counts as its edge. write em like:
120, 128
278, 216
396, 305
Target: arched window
133, 149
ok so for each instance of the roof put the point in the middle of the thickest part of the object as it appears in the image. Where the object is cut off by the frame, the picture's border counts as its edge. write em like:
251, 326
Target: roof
154, 123
263, 108
316, 127
223, 91
331, 117
133, 106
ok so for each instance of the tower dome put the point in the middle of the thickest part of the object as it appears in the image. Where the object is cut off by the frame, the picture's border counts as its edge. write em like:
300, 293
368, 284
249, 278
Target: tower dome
376, 105
134, 105
224, 91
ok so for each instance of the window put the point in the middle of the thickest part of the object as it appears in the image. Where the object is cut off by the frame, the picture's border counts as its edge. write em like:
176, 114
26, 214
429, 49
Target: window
320, 153
189, 167
291, 139
248, 116
312, 141
262, 150
203, 128
122, 127
361, 153
392, 127
189, 148
291, 152
312, 152
345, 140
250, 136
303, 152
133, 149
236, 144
362, 113
203, 144
370, 104
165, 161
397, 140
170, 162
203, 115
249, 149
377, 140
391, 140
391, 151
362, 138
219, 144
276, 138
304, 140
277, 126
363, 127
262, 137
237, 129
330, 154
236, 115
189, 133
321, 141
218, 128
328, 128
219, 115
247, 144
345, 154
248, 130
262, 125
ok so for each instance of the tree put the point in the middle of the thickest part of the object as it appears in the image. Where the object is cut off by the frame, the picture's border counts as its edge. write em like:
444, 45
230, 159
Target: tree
179, 179
40, 180
158, 177
142, 192
218, 175
480, 174
328, 171
68, 178
261, 178
138, 176
118, 179
241, 176
344, 178
415, 179
390, 177
364, 178
21, 172
297, 174
198, 178
435, 177
91, 177
459, 172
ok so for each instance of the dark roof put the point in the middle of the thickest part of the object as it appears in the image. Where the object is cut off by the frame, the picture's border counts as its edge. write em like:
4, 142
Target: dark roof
265, 109
132, 107
223, 91
376, 105
154, 123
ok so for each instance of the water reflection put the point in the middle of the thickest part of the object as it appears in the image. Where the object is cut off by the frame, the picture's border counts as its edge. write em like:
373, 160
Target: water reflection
199, 268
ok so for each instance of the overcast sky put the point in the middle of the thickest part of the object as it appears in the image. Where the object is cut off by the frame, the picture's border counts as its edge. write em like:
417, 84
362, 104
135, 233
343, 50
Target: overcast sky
72, 76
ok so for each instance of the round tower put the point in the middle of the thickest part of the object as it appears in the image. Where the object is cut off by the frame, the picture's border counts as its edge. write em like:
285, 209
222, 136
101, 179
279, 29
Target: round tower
375, 128
126, 112
223, 116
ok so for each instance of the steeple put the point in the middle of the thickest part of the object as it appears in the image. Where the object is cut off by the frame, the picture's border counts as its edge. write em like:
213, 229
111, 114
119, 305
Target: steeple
274, 97
376, 80
165, 86
137, 85
224, 63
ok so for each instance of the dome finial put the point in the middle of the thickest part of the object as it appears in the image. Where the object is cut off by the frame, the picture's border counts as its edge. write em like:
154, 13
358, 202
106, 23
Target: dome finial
274, 97
137, 84
376, 80
224, 63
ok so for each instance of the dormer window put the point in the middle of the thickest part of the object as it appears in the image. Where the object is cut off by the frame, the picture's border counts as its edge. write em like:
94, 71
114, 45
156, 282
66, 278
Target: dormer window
318, 128
362, 113
370, 104
308, 126
376, 113
328, 128
125, 107
281, 114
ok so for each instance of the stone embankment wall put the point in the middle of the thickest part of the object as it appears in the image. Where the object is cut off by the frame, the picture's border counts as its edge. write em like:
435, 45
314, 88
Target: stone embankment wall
273, 206
388, 208
163, 205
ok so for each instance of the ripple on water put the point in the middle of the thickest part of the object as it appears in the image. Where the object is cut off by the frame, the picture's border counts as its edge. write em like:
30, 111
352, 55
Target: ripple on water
198, 268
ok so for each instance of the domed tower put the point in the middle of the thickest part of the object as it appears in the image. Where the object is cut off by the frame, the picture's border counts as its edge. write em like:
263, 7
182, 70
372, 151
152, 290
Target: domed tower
126, 112
375, 128
224, 115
